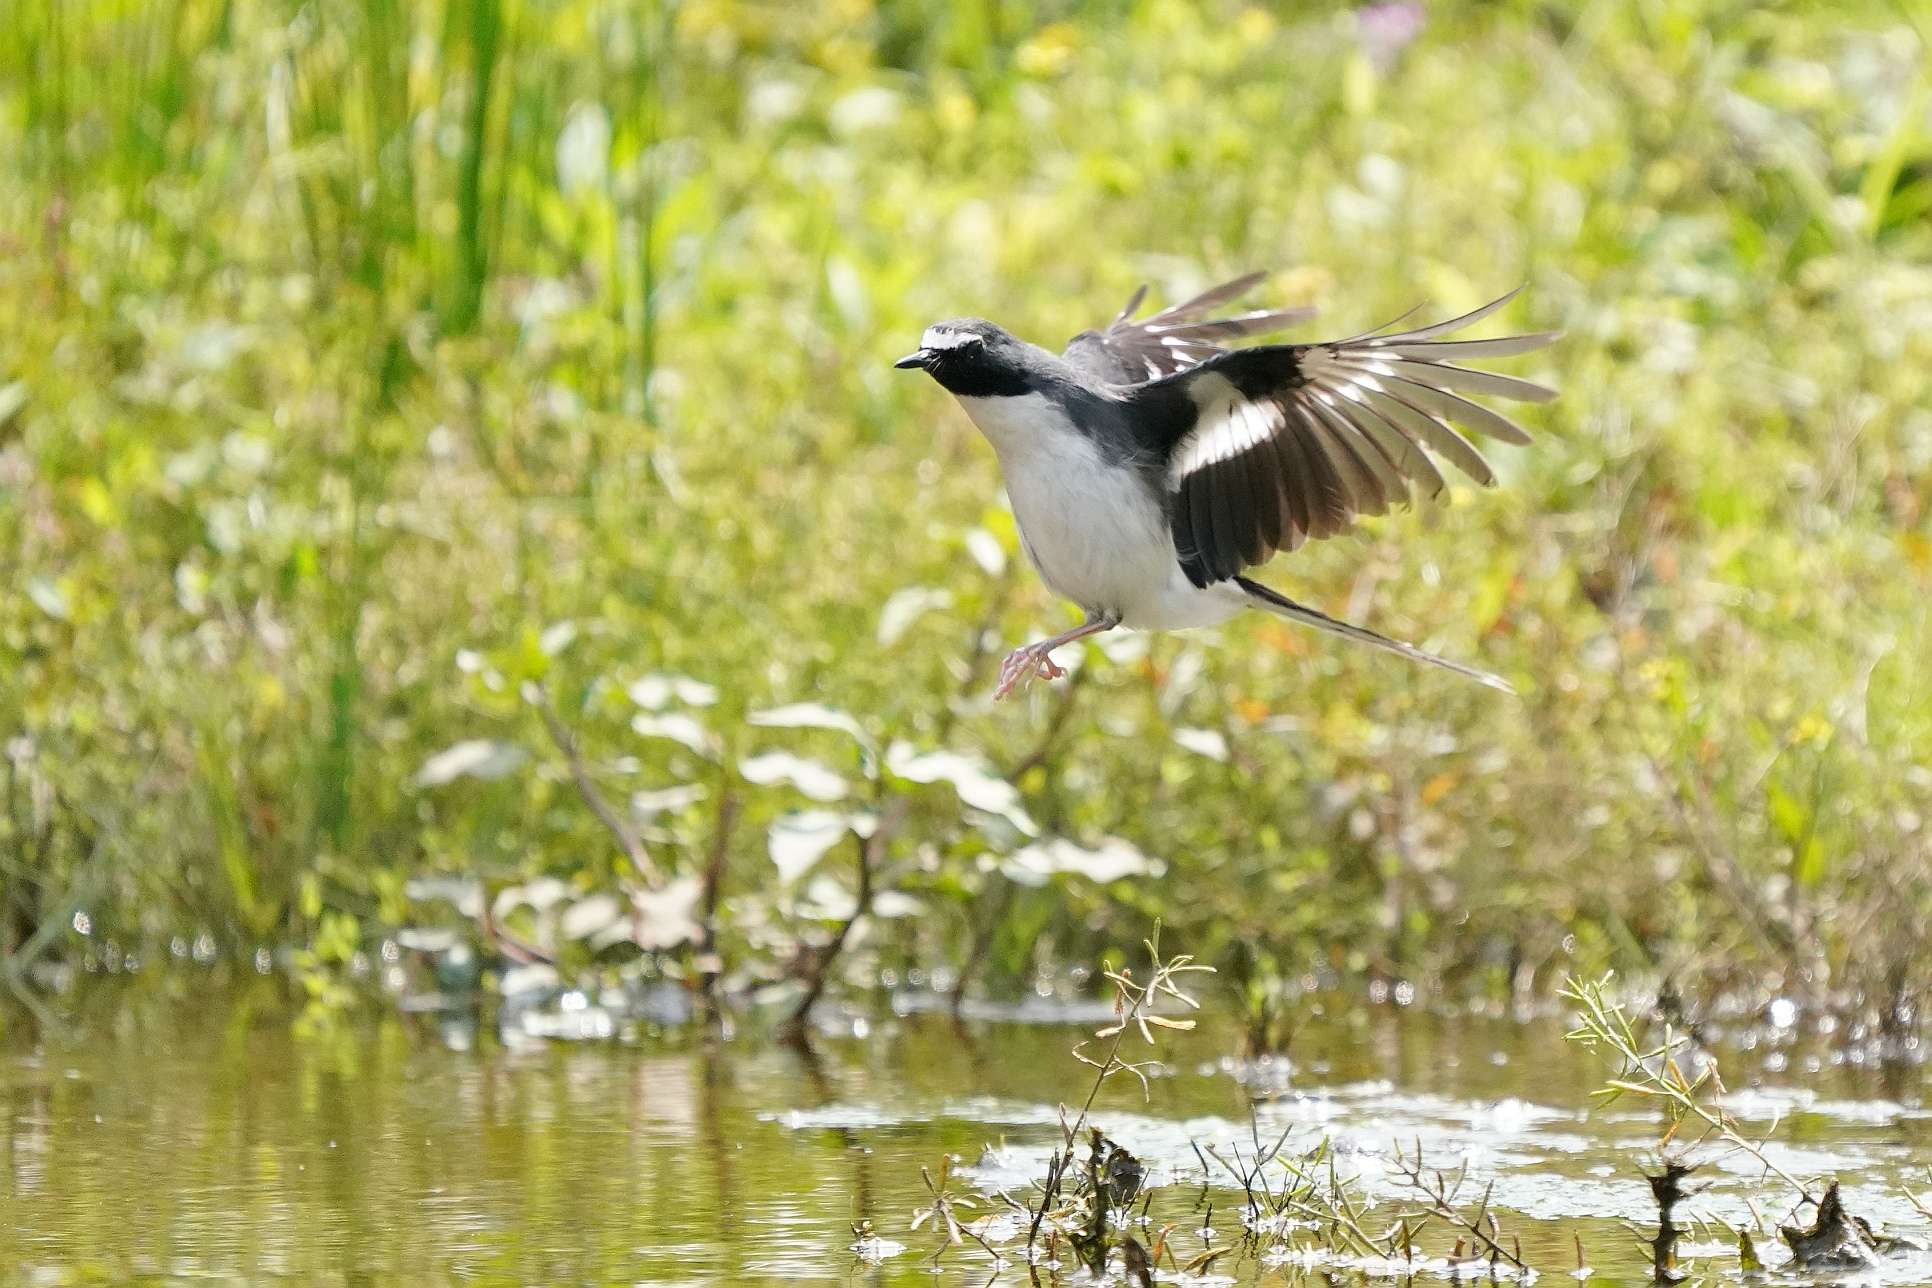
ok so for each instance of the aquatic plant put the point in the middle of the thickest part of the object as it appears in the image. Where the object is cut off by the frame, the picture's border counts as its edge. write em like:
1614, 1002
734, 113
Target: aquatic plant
366, 363
1654, 1070
1086, 1194
1105, 1181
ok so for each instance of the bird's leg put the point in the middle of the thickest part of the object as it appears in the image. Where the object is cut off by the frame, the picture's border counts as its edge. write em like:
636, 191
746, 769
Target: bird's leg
1029, 660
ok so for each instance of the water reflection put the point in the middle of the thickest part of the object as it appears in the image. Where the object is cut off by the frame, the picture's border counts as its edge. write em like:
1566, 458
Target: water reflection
190, 1137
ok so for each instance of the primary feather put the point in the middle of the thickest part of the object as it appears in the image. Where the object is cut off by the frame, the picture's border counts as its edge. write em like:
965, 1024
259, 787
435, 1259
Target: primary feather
1289, 442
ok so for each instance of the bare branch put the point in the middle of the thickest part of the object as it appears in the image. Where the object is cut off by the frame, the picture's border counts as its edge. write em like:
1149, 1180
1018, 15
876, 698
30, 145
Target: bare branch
566, 742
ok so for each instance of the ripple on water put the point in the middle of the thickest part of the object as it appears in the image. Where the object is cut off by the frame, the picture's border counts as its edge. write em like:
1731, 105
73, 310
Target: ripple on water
1538, 1161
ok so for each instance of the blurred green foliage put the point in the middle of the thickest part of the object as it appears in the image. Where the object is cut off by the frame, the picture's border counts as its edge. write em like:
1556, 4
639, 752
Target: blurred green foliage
375, 378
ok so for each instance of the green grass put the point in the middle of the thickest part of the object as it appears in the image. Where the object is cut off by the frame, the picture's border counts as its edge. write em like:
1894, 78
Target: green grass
353, 349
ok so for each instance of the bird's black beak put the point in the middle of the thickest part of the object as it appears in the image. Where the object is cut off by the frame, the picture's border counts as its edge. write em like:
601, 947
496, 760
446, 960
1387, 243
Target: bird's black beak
913, 360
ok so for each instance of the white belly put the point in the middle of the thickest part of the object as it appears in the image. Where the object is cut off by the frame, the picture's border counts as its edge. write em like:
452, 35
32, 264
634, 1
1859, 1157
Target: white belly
1091, 528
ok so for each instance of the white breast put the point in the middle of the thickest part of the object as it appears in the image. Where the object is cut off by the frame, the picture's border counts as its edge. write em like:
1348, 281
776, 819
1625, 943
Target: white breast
1094, 531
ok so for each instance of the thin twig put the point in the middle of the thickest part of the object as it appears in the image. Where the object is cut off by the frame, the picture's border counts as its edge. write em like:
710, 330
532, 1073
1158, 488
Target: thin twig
1056, 722
870, 849
627, 839
507, 942
1441, 1198
983, 934
714, 868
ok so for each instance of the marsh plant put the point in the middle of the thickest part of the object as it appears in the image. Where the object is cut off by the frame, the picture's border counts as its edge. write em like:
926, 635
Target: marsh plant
363, 363
1675, 1073
1097, 1208
1696, 1123
1094, 1205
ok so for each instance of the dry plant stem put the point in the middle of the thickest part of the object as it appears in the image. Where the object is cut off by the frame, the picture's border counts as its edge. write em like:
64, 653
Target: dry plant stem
17, 964
509, 944
1439, 1195
1048, 1190
1132, 1005
1339, 1209
982, 944
627, 840
943, 1214
1132, 1009
976, 655
870, 850
715, 864
714, 871
1063, 705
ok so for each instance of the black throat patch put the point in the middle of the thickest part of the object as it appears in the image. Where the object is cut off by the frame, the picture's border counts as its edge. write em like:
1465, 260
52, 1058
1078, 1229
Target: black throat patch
973, 373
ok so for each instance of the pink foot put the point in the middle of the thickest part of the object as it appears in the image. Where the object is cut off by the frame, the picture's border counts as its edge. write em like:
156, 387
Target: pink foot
1023, 664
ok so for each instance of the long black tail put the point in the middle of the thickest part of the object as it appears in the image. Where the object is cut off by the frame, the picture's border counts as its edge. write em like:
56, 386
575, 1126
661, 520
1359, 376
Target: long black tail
1282, 606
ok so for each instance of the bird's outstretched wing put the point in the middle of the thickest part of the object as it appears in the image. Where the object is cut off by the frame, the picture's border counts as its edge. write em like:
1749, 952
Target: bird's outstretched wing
1131, 352
1275, 444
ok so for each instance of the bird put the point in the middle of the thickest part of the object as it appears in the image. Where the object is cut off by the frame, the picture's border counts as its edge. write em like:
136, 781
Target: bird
1152, 463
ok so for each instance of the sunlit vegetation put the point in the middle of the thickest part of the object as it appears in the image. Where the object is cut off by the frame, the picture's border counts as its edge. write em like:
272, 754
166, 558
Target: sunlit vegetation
458, 441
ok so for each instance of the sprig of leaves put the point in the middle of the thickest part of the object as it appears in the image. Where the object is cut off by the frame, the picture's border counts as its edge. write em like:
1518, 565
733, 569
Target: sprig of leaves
1653, 1071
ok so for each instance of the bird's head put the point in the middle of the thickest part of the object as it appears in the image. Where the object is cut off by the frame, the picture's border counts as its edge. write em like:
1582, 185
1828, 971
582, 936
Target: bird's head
972, 358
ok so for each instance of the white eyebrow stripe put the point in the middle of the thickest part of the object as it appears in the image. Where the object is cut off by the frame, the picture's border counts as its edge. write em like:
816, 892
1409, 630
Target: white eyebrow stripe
939, 337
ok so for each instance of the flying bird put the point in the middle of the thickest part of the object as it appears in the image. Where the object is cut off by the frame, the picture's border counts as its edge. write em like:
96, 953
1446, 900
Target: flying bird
1149, 464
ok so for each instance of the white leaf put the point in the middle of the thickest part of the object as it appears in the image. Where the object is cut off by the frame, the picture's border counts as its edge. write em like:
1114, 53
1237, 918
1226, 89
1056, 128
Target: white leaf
557, 637
654, 692
1204, 742
888, 904
771, 100
587, 917
621, 931
1112, 860
970, 776
986, 550
825, 900
427, 940
678, 728
808, 715
847, 288
465, 894
797, 841
12, 398
904, 607
666, 800
483, 758
583, 149
808, 776
1182, 678
212, 346
867, 108
539, 895
48, 597
524, 980
668, 917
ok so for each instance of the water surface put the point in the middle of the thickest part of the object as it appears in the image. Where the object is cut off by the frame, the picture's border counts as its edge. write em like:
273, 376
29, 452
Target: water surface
200, 1137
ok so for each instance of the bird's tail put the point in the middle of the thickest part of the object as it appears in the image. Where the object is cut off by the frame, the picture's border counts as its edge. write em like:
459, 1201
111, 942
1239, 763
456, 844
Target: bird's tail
1279, 604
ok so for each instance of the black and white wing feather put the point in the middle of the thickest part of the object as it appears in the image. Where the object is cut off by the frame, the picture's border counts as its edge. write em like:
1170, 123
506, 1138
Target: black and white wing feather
1280, 443
1131, 352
